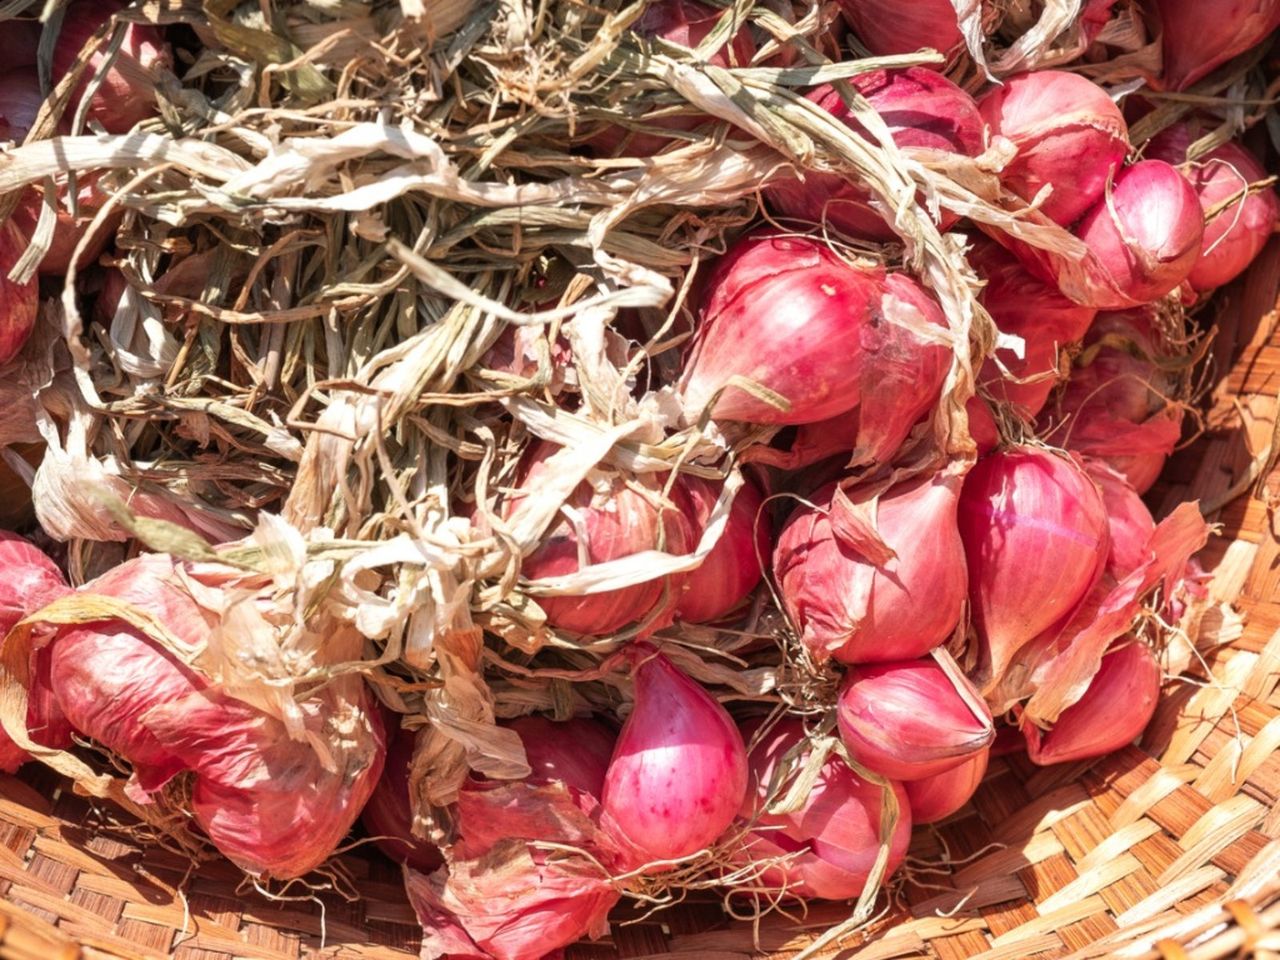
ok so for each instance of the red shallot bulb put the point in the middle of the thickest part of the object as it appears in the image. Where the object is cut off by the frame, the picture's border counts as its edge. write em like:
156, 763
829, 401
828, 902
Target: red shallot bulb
832, 841
1129, 521
687, 23
922, 109
863, 591
1145, 235
1119, 405
575, 752
18, 301
1024, 306
68, 229
982, 425
909, 719
126, 94
19, 41
31, 581
1070, 136
270, 803
792, 315
938, 797
889, 26
388, 816
679, 770
1116, 707
20, 101
1035, 535
1234, 234
618, 520
1199, 36
735, 564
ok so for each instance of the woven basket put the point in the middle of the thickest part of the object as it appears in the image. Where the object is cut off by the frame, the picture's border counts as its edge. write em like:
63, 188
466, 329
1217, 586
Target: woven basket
1165, 850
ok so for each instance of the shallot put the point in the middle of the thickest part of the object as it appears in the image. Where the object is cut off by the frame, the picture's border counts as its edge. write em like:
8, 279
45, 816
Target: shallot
823, 334
1145, 235
126, 94
827, 847
679, 770
609, 516
735, 564
867, 579
1116, 707
911, 719
887, 26
388, 816
18, 301
1035, 536
938, 797
1121, 403
1239, 217
1071, 139
1200, 36
923, 110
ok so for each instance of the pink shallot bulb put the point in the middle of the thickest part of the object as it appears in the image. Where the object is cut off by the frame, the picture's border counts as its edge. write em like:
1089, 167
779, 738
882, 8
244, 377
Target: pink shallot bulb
388, 816
938, 797
1145, 236
1198, 36
736, 563
828, 336
619, 514
18, 301
1071, 137
1115, 709
831, 842
1235, 233
1120, 405
1035, 536
865, 592
679, 769
911, 719
889, 26
126, 95
922, 109
1024, 306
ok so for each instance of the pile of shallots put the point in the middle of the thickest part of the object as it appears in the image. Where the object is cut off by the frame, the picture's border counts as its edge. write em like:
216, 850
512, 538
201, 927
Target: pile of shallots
956, 542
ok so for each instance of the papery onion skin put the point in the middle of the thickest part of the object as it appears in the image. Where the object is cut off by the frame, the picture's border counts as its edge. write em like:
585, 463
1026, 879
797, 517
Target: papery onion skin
1035, 535
1116, 708
735, 564
982, 425
794, 317
921, 108
18, 301
905, 719
388, 816
938, 797
1024, 306
31, 580
1198, 37
687, 23
619, 523
1237, 233
834, 837
1119, 407
679, 770
1146, 236
124, 97
848, 608
136, 699
1069, 135
887, 26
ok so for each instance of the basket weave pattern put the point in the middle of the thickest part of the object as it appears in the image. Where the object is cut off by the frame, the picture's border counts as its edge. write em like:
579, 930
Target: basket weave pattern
1169, 849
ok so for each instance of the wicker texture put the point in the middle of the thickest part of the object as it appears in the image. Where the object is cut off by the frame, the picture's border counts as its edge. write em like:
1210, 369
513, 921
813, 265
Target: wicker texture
1168, 850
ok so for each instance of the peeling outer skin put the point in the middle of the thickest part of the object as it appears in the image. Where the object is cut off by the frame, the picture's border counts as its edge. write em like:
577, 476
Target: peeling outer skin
117, 651
502, 897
